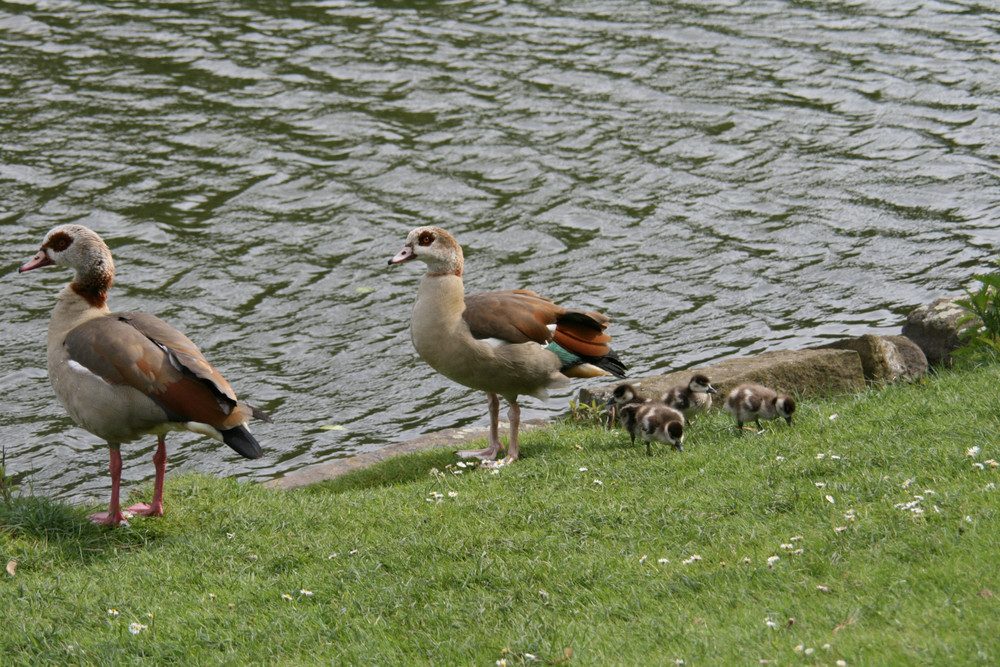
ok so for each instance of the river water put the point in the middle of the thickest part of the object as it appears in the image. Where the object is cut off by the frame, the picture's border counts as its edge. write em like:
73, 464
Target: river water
721, 178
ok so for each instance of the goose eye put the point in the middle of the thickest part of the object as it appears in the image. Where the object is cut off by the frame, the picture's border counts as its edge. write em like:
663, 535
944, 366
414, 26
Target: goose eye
426, 238
60, 242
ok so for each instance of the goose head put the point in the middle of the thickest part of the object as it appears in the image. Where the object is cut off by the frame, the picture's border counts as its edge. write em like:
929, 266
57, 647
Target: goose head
436, 248
784, 406
674, 435
625, 393
82, 250
701, 384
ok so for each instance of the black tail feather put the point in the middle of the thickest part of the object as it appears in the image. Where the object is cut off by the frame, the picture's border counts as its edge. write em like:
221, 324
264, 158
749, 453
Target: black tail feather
242, 442
610, 363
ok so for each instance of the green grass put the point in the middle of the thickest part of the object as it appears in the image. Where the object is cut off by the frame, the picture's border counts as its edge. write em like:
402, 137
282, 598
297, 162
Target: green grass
542, 559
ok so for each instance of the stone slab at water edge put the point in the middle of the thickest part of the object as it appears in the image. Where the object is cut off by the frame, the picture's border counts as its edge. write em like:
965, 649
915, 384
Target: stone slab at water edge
795, 372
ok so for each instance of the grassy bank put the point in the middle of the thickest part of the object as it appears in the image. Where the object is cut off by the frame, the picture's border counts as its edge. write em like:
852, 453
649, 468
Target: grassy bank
865, 533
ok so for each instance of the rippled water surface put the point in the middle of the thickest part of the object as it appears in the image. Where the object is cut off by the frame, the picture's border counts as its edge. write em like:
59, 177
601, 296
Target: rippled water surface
720, 178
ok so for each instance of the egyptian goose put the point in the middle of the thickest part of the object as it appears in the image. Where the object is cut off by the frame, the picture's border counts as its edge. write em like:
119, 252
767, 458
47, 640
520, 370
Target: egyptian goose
753, 402
506, 343
125, 375
693, 398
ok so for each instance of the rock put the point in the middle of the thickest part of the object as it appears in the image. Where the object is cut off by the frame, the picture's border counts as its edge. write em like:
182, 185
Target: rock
885, 359
936, 330
914, 358
795, 372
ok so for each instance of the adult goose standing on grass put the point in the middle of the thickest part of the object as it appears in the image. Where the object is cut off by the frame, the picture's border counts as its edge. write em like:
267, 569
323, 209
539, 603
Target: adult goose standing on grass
125, 375
507, 343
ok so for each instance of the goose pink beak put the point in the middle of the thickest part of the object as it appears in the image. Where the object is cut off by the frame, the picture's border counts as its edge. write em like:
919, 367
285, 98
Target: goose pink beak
39, 260
403, 255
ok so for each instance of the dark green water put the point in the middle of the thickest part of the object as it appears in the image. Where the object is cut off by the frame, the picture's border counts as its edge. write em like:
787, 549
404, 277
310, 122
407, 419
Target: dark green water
721, 178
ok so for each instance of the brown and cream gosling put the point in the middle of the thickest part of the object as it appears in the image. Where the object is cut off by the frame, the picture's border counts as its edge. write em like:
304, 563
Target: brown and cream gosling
693, 398
752, 402
627, 401
655, 421
648, 419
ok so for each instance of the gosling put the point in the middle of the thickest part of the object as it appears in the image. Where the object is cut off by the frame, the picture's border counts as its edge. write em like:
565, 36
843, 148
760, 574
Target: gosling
660, 423
752, 402
627, 403
693, 398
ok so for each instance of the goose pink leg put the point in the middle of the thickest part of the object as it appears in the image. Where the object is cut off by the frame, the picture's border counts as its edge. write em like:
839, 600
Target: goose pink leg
113, 516
514, 415
490, 453
160, 461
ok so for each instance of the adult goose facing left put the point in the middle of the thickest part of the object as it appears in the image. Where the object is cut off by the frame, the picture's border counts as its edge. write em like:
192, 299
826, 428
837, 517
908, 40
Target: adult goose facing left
507, 343
128, 374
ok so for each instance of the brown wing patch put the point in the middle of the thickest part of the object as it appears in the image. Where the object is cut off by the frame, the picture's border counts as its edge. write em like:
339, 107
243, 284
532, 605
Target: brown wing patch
149, 355
179, 345
582, 332
581, 341
118, 353
193, 400
587, 318
516, 316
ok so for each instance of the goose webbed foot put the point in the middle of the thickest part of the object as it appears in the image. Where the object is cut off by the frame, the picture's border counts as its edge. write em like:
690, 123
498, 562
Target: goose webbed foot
144, 509
107, 518
488, 454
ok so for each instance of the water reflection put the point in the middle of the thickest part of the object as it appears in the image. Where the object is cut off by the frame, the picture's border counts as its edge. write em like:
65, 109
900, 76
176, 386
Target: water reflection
720, 178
